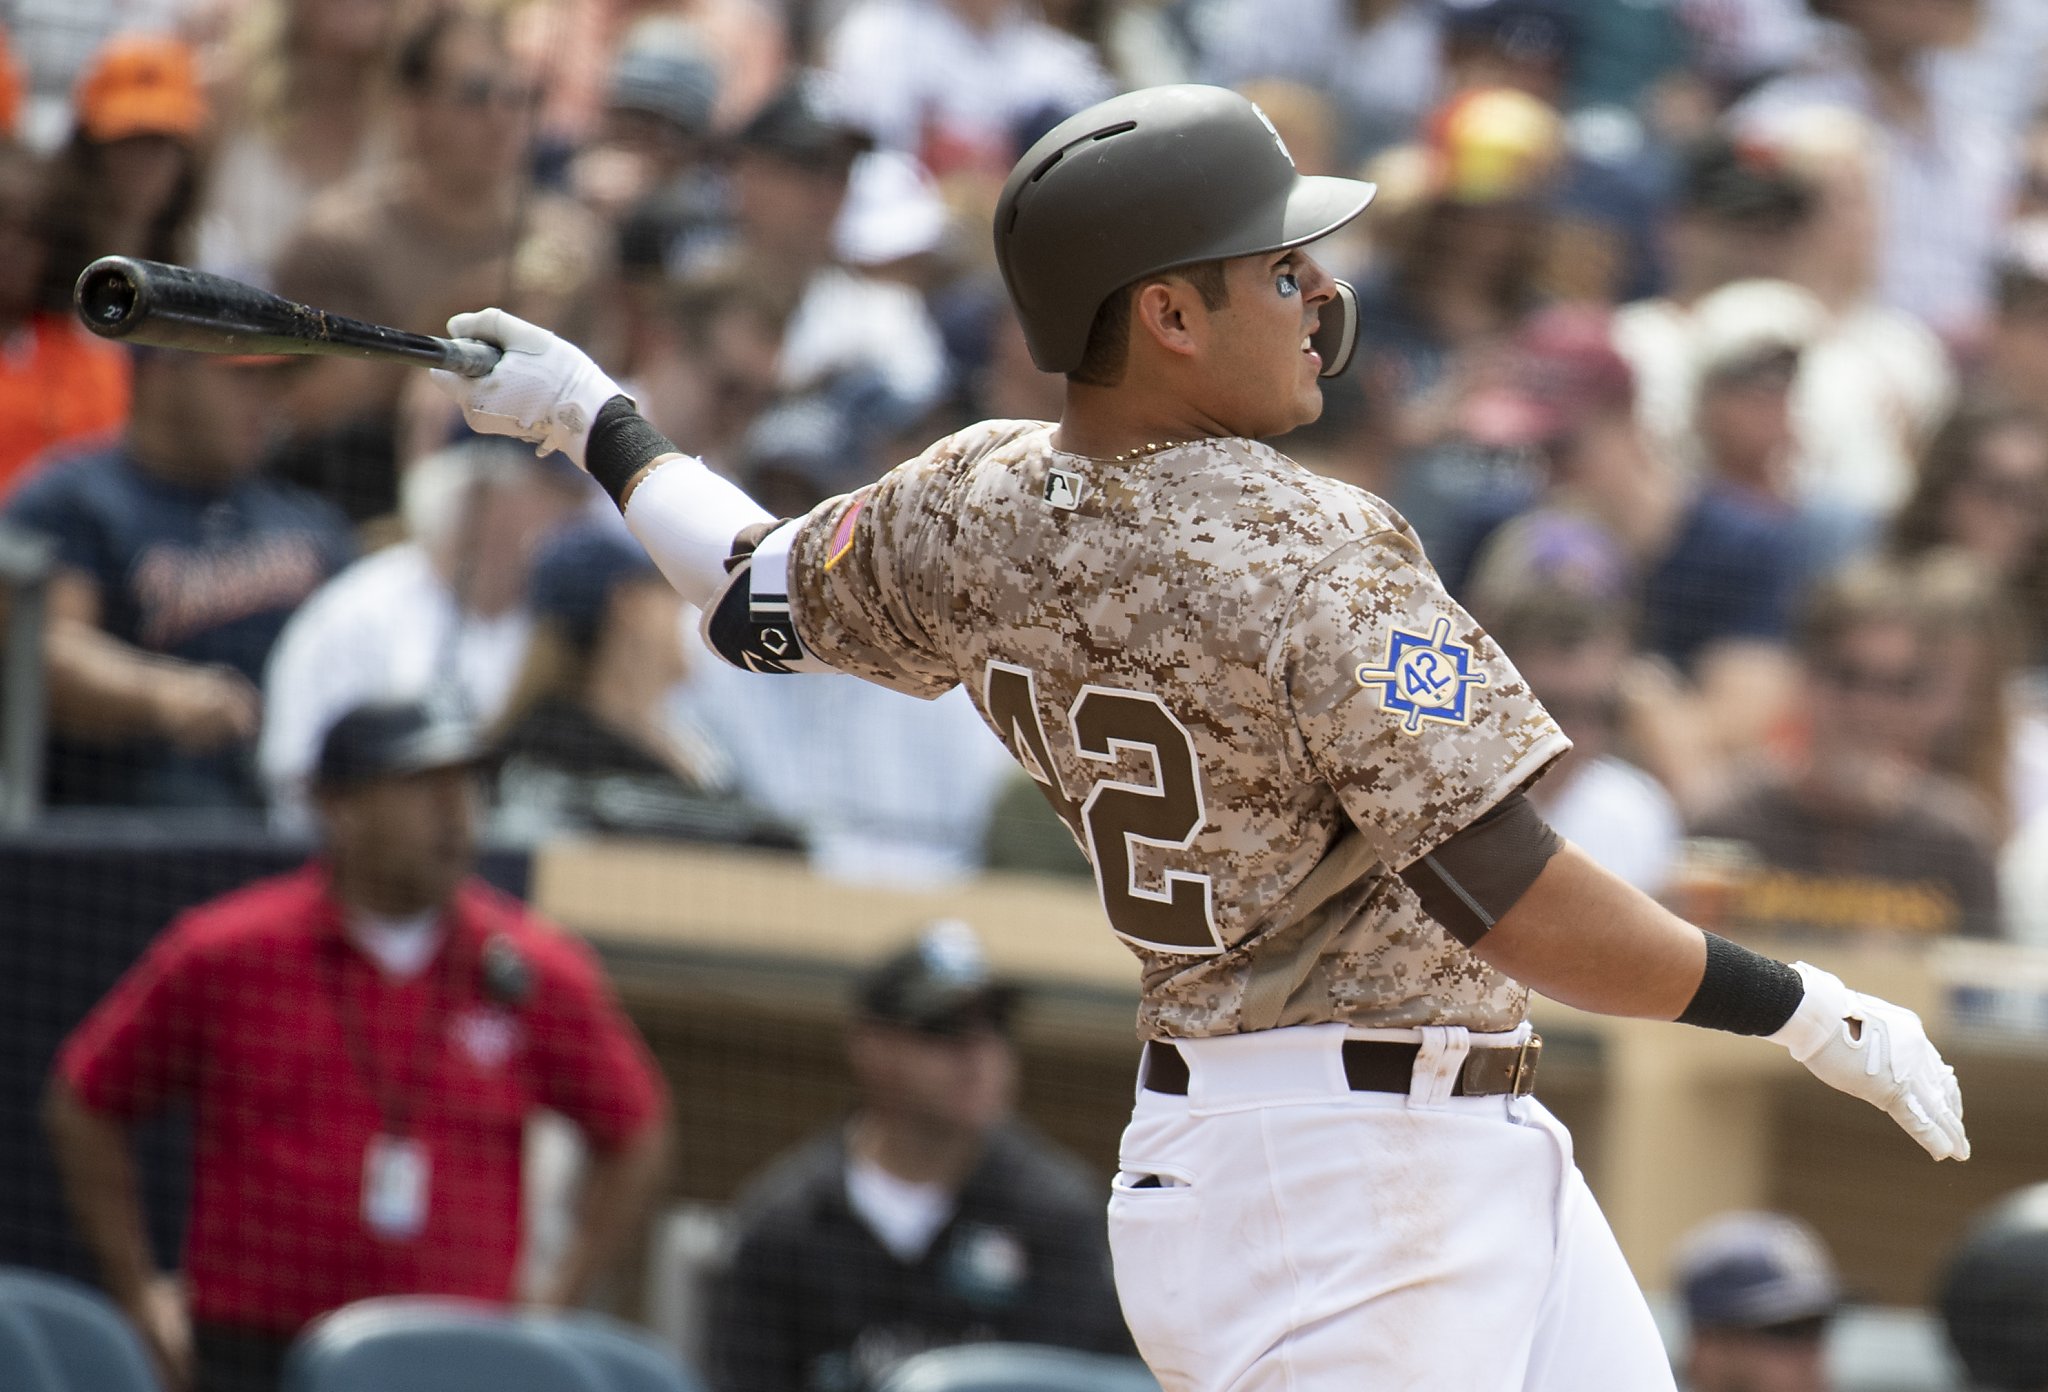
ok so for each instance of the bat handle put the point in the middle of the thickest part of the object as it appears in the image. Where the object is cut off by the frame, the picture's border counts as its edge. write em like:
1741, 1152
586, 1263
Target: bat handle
468, 357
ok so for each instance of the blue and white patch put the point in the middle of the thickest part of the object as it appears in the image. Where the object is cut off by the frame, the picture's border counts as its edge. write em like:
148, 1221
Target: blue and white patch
1424, 678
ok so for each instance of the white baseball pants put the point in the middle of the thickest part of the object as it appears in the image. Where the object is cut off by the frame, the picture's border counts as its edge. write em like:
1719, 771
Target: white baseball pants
1275, 1231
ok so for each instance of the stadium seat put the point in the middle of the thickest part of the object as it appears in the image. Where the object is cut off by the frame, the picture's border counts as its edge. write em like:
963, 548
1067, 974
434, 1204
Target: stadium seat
1018, 1368
628, 1359
419, 1344
59, 1336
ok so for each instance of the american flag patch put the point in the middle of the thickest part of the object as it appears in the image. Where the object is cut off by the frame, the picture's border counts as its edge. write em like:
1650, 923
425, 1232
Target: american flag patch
842, 535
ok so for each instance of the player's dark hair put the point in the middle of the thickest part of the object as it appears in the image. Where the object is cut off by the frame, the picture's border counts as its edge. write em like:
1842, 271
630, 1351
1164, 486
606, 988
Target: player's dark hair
1109, 336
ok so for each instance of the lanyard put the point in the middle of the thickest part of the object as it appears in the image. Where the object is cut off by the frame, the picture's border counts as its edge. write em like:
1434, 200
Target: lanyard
395, 1096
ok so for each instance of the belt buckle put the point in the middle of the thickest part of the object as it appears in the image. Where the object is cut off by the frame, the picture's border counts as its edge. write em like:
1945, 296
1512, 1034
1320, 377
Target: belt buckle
1522, 1081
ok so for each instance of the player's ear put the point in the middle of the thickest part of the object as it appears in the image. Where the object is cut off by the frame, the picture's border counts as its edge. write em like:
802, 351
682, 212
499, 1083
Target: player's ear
1167, 312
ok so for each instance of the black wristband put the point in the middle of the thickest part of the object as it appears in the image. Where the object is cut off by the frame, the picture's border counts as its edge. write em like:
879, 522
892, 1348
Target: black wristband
621, 444
1743, 992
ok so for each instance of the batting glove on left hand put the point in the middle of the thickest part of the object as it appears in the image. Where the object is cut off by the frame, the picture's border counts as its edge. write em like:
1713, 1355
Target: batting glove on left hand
1872, 1049
544, 390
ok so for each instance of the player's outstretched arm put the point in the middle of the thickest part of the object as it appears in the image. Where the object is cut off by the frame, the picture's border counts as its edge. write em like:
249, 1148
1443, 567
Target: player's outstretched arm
1581, 936
547, 392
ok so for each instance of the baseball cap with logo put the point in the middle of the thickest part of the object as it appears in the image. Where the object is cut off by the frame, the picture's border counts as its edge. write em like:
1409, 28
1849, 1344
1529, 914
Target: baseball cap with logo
939, 984
141, 84
383, 739
1756, 1271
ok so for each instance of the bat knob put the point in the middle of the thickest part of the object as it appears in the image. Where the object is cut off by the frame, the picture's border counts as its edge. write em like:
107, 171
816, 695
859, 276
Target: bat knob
108, 294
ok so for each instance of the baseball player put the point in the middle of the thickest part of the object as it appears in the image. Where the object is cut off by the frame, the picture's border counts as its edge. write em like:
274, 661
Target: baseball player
1296, 765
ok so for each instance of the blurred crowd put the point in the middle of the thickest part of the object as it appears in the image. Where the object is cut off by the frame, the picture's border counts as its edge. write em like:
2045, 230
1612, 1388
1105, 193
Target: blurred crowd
1705, 344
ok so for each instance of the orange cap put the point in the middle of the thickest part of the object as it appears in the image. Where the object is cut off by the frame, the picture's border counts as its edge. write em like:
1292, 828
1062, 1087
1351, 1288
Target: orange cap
10, 88
141, 84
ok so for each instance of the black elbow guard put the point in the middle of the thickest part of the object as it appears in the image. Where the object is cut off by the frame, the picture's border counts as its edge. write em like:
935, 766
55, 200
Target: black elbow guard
1476, 876
748, 622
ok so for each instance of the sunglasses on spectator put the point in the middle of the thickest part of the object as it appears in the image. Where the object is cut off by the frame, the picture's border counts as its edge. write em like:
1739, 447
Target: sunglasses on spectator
476, 91
1855, 679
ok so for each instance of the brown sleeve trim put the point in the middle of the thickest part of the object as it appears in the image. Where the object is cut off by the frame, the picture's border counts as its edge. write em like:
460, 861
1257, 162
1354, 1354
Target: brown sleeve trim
1476, 875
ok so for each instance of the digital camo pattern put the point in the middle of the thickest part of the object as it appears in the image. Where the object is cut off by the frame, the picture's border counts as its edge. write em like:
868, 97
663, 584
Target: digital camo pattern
1300, 645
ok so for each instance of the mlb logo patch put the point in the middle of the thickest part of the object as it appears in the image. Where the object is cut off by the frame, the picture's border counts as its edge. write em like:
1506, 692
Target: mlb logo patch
1063, 489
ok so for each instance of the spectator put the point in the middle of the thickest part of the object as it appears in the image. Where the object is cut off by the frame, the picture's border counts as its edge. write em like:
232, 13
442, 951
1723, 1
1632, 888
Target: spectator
1573, 650
790, 177
362, 1041
709, 361
178, 565
1983, 488
647, 168
1729, 573
1945, 155
1854, 835
303, 103
1759, 1291
1735, 216
441, 613
589, 742
1993, 1295
451, 221
58, 384
1461, 271
1874, 387
127, 182
929, 1218
964, 85
1378, 60
1601, 205
1982, 730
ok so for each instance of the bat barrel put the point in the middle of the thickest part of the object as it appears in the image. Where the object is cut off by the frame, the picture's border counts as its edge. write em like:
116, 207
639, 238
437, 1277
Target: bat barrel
164, 306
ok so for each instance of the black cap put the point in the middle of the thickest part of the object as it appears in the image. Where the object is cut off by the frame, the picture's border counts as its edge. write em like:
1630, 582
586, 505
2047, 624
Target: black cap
383, 738
1738, 181
939, 984
802, 124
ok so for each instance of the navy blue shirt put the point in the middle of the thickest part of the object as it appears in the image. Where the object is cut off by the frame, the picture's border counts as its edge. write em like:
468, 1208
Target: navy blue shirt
1733, 571
203, 575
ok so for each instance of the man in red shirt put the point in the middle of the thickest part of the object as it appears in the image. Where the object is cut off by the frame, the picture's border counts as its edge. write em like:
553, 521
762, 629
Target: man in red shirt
362, 1041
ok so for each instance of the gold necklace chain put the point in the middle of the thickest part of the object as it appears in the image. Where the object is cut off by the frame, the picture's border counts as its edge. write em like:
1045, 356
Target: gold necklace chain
1143, 450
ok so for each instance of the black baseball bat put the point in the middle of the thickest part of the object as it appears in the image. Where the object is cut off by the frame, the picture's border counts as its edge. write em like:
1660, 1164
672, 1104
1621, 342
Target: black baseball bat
166, 306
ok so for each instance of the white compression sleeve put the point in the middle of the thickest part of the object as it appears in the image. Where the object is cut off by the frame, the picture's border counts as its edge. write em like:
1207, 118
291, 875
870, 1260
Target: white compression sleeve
686, 516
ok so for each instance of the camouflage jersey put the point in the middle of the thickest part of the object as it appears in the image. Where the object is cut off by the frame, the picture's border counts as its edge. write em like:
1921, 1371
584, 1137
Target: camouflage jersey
1239, 683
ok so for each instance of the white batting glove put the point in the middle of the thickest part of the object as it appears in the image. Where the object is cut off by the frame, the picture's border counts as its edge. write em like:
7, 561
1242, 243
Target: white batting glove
1872, 1049
544, 390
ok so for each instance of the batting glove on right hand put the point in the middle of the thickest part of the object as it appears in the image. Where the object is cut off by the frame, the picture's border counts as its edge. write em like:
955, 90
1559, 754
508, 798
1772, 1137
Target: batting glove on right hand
544, 390
1872, 1049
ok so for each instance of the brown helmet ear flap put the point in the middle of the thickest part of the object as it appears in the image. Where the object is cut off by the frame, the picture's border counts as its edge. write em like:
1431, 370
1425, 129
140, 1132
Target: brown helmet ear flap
1336, 337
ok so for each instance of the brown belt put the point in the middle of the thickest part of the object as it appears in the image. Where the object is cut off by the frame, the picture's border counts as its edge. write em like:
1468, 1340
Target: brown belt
1378, 1065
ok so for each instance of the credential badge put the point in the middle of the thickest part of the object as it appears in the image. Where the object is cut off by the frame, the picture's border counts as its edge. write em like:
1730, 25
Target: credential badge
1063, 489
1424, 678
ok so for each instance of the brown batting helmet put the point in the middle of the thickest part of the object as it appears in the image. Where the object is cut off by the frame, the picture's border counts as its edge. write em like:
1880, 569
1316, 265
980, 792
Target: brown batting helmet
1145, 182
